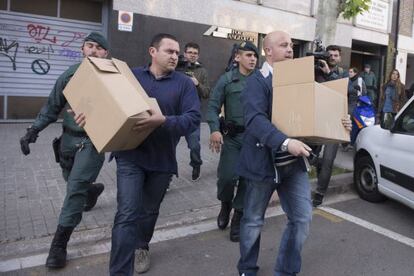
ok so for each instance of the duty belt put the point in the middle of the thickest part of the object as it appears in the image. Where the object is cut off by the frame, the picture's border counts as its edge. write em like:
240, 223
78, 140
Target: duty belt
74, 133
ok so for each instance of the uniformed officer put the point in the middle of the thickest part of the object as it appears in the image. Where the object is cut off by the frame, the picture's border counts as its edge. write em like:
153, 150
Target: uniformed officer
78, 158
226, 135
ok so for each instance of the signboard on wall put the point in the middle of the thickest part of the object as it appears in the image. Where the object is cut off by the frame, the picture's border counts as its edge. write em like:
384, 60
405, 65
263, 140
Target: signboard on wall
35, 50
376, 17
232, 34
125, 21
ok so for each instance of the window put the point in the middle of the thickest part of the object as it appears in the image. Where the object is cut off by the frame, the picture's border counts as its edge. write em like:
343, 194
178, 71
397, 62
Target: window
85, 10
41, 7
405, 123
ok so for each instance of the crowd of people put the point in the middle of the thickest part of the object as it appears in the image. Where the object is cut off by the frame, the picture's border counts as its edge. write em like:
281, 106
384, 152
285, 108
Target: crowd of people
256, 158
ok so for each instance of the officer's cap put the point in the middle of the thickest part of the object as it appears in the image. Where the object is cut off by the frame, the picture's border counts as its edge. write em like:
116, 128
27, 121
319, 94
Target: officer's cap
248, 46
98, 38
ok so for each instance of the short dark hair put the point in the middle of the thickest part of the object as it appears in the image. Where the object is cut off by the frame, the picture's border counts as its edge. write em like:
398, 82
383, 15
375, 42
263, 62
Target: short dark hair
356, 71
155, 42
334, 48
191, 45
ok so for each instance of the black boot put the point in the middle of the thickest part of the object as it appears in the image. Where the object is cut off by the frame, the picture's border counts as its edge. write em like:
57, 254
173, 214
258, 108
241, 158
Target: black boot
57, 252
93, 193
235, 225
224, 215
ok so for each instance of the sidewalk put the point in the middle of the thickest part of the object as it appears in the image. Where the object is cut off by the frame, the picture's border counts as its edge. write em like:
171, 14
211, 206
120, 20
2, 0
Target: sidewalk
32, 191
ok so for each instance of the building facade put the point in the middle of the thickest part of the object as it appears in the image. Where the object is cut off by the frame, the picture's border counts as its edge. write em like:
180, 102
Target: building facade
49, 36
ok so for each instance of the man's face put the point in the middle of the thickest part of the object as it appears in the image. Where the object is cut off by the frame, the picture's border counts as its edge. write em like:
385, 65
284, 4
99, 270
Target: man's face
334, 58
280, 49
166, 56
246, 59
351, 73
93, 49
191, 54
367, 69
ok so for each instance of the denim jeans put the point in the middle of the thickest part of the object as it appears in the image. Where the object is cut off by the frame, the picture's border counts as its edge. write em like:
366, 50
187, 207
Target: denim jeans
193, 143
325, 166
295, 199
139, 196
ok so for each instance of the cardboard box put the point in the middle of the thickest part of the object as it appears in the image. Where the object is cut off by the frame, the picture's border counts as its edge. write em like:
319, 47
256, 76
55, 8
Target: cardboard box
112, 99
305, 109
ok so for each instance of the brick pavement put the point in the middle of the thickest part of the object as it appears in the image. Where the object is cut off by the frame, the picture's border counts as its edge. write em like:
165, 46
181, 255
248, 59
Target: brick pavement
32, 191
32, 188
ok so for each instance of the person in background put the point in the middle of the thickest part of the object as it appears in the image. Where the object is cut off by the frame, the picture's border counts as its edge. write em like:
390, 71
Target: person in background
198, 74
371, 83
392, 98
356, 88
227, 133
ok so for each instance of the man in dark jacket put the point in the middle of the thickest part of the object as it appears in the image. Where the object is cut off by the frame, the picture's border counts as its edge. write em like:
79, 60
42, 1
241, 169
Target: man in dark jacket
269, 161
198, 75
227, 138
77, 156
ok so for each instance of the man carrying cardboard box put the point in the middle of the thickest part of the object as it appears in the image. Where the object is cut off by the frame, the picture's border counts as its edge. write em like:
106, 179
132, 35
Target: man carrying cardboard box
269, 161
74, 151
143, 173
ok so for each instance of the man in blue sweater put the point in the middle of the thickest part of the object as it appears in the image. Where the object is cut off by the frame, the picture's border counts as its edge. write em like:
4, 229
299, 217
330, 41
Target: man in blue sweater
270, 161
143, 173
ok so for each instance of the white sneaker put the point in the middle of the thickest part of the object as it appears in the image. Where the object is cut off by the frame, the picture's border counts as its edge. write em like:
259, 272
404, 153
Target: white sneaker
142, 261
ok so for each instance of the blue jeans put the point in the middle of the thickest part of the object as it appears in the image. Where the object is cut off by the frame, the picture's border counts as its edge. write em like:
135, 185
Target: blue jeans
295, 199
193, 143
139, 196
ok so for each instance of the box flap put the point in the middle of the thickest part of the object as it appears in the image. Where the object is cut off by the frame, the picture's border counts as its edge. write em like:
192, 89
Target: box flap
294, 71
340, 86
125, 71
105, 65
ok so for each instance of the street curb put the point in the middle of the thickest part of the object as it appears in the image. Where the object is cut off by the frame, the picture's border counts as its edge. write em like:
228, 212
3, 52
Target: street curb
82, 240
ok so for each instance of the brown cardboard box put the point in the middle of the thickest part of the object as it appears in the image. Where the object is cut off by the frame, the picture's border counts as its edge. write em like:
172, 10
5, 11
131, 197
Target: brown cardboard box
112, 99
305, 109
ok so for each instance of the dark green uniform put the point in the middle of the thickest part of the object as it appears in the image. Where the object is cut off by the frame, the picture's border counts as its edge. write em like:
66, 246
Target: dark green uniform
227, 93
79, 159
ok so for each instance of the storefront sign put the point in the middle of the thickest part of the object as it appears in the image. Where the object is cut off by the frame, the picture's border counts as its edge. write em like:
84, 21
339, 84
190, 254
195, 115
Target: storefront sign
125, 21
232, 34
376, 17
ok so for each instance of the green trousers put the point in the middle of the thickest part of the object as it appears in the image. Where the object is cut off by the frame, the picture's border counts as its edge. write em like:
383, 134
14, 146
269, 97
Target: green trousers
226, 173
80, 164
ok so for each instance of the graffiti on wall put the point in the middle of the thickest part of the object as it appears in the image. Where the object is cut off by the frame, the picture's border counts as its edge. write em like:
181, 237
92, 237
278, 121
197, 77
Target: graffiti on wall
41, 45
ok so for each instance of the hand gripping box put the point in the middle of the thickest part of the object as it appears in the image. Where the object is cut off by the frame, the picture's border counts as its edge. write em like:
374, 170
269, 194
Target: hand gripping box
305, 109
112, 99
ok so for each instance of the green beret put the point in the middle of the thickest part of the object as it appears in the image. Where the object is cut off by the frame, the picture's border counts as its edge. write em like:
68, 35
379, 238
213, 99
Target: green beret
98, 38
248, 46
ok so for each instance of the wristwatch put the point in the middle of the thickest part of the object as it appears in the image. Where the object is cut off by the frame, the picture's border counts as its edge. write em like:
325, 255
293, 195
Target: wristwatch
284, 146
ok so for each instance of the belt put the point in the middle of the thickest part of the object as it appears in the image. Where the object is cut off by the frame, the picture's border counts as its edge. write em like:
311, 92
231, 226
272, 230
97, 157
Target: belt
74, 133
239, 129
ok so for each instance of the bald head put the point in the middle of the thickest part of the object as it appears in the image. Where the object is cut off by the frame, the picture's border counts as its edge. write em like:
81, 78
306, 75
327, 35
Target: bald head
277, 46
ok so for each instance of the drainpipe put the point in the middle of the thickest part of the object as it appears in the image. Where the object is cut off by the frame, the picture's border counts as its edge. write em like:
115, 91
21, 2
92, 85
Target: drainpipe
397, 30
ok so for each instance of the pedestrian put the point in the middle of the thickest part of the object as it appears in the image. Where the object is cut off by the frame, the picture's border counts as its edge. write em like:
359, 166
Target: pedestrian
198, 74
356, 88
330, 71
270, 161
392, 98
371, 82
143, 173
78, 158
226, 136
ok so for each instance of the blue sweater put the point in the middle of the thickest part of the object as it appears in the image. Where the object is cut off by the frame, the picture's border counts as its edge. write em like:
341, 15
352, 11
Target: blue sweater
178, 100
